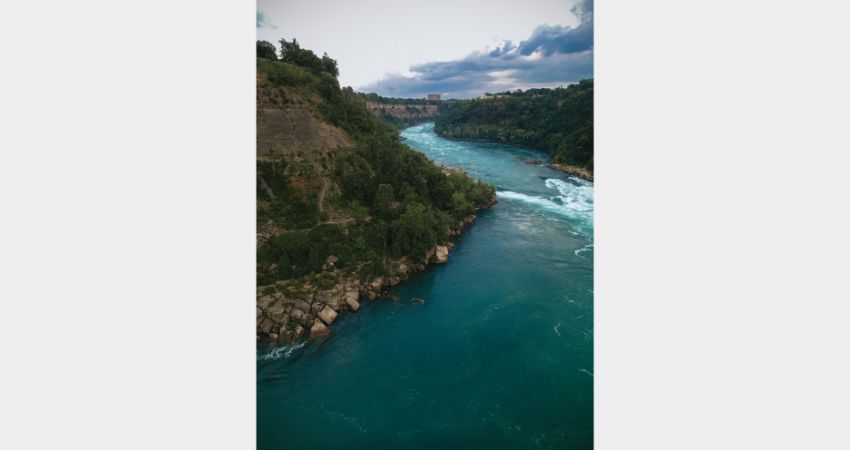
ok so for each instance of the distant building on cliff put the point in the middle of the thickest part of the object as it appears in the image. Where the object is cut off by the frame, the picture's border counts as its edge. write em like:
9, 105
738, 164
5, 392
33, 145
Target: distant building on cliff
434, 97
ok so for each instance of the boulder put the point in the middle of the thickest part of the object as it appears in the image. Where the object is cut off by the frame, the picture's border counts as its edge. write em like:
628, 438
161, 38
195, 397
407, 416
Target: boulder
377, 283
351, 301
318, 329
266, 325
286, 337
276, 313
441, 254
299, 316
329, 263
265, 301
327, 315
302, 305
272, 337
331, 297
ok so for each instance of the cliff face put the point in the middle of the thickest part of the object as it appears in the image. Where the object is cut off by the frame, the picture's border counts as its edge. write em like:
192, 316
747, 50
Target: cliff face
296, 152
286, 125
403, 110
403, 113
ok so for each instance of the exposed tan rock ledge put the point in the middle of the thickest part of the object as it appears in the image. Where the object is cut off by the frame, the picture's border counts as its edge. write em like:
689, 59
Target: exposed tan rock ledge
292, 309
575, 171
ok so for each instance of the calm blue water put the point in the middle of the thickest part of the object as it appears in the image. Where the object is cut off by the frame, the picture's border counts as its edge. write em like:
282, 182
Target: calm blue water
499, 357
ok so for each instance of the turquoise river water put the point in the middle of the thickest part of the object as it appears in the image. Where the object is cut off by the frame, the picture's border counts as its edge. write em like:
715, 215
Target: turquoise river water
500, 356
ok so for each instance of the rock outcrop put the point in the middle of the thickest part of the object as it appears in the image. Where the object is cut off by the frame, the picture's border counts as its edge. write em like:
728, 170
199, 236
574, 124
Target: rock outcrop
327, 315
441, 254
576, 171
351, 301
288, 308
402, 110
286, 124
318, 329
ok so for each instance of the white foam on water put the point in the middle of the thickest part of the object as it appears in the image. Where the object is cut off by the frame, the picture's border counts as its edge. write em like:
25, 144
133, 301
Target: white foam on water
586, 248
556, 328
575, 197
283, 351
534, 200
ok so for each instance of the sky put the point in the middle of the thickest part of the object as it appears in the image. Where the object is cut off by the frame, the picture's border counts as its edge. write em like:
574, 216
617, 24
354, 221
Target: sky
460, 49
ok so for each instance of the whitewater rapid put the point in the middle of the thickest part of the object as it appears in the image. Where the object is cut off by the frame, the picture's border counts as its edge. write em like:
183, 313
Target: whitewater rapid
574, 200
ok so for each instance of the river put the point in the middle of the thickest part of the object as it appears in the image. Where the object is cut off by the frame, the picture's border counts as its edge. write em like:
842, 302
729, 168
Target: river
499, 356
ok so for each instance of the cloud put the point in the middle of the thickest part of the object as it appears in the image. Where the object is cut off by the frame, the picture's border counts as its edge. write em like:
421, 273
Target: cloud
583, 10
557, 39
551, 56
263, 21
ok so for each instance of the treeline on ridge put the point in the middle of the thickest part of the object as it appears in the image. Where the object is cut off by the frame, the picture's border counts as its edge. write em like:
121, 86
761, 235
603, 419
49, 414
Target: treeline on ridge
559, 121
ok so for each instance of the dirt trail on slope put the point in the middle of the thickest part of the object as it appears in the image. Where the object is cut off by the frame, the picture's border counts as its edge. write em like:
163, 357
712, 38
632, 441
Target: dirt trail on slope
322, 193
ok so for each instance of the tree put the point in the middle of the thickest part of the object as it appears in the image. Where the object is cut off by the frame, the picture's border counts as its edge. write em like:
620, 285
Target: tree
291, 52
384, 201
461, 207
415, 231
266, 50
329, 65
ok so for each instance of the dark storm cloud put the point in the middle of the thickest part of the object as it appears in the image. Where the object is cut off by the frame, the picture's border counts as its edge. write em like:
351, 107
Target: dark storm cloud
583, 10
552, 55
557, 39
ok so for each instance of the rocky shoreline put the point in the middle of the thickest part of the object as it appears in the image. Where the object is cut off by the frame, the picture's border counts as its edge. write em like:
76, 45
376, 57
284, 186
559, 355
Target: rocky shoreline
576, 171
290, 310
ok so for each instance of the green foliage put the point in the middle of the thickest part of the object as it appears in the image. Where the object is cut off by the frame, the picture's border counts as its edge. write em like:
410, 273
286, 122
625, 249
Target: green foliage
266, 50
292, 53
402, 203
278, 202
329, 65
559, 121
280, 74
383, 204
416, 231
375, 98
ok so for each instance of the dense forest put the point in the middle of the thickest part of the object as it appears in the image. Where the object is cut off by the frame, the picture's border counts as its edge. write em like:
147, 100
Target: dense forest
559, 121
386, 201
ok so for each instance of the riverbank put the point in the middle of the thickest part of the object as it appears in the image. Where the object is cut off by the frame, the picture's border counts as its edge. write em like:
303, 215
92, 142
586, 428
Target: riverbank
515, 298
576, 171
290, 310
